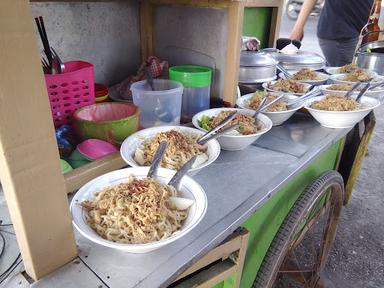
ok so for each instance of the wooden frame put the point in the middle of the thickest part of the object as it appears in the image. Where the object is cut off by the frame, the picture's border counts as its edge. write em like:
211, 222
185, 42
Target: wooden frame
29, 160
232, 255
235, 24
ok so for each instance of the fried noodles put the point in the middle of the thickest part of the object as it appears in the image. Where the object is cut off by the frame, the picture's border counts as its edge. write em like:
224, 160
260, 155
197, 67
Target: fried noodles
135, 212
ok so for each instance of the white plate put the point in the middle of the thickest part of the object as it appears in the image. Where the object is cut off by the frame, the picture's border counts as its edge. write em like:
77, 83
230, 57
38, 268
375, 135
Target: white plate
129, 146
323, 80
234, 142
189, 188
341, 119
278, 117
265, 85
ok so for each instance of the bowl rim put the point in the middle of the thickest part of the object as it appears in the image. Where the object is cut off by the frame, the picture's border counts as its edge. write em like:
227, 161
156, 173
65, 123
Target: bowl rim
307, 106
322, 74
179, 88
134, 115
335, 77
265, 86
265, 119
325, 86
156, 244
214, 144
249, 95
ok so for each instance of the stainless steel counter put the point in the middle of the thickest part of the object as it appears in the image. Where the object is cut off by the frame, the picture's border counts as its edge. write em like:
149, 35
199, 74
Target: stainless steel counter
236, 184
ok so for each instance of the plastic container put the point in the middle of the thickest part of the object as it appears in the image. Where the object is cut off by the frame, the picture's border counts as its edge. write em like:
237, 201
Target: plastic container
94, 149
70, 90
111, 121
101, 93
159, 107
65, 167
197, 87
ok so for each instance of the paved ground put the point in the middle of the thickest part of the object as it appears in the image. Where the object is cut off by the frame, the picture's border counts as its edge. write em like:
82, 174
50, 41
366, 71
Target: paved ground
357, 258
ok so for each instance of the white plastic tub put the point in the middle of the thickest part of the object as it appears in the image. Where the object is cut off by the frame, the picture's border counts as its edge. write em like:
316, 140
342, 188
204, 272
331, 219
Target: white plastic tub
159, 107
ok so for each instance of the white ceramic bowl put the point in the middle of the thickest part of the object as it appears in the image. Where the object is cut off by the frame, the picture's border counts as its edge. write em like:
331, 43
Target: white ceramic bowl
129, 146
342, 119
234, 142
323, 80
189, 188
337, 78
377, 92
334, 70
278, 117
265, 85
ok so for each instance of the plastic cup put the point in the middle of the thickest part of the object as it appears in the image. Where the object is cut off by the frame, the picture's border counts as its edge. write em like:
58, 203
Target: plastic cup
160, 107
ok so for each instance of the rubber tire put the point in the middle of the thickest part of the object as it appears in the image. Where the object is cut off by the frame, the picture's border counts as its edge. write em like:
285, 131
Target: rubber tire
280, 245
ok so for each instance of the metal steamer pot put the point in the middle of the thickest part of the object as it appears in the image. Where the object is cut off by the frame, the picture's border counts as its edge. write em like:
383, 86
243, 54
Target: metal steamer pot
256, 67
297, 61
371, 57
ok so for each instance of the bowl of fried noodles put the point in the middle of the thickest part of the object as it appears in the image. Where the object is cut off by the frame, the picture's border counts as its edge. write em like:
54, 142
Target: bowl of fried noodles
247, 132
287, 86
278, 112
127, 211
338, 111
139, 148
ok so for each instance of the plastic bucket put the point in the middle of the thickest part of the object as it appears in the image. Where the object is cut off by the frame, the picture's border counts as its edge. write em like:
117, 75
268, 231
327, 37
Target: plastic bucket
159, 107
197, 83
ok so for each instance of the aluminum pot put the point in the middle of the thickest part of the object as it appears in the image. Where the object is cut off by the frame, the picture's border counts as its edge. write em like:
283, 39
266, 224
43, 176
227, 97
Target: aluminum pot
256, 67
371, 57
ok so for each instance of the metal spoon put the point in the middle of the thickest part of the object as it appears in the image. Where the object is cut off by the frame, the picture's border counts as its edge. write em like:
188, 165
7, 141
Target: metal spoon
206, 138
175, 181
362, 92
261, 105
354, 87
283, 70
156, 160
271, 103
305, 97
222, 123
148, 75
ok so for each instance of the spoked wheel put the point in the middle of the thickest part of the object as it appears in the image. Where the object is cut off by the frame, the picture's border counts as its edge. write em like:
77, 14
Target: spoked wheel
300, 249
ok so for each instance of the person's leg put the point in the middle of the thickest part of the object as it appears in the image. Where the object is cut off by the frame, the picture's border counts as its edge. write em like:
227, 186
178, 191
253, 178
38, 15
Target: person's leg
347, 50
338, 52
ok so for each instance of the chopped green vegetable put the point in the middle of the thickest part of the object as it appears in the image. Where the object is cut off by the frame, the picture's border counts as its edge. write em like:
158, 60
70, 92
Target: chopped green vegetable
204, 122
368, 50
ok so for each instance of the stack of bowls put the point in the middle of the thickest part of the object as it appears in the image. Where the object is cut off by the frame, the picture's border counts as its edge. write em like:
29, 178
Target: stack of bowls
101, 93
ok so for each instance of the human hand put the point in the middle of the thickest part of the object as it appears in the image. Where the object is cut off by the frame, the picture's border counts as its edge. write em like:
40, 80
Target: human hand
297, 34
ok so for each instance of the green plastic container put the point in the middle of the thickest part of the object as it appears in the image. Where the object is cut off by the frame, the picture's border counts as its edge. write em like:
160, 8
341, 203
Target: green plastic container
65, 167
197, 87
111, 121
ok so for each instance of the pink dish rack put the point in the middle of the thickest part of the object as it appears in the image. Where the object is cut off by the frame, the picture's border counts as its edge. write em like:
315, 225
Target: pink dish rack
70, 90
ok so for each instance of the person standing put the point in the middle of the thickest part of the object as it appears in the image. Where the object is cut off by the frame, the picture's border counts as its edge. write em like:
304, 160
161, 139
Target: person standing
338, 28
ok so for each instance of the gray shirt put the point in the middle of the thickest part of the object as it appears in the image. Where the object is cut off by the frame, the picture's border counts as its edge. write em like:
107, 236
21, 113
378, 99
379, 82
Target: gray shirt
343, 19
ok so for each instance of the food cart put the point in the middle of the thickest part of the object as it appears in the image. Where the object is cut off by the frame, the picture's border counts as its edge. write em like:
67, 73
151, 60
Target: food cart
264, 201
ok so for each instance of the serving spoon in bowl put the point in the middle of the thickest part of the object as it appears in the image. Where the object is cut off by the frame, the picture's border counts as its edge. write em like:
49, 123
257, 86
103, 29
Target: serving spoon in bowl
217, 131
156, 160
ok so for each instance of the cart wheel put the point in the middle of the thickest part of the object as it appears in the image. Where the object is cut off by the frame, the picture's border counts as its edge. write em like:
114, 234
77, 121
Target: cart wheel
300, 249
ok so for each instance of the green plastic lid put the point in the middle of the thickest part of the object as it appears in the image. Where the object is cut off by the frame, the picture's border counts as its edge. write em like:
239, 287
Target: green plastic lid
65, 167
191, 76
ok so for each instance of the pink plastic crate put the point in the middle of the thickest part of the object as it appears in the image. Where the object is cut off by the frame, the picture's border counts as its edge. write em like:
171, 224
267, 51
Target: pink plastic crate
70, 90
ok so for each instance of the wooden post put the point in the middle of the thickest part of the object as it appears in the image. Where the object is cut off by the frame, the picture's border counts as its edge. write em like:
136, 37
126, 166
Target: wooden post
29, 160
146, 29
231, 73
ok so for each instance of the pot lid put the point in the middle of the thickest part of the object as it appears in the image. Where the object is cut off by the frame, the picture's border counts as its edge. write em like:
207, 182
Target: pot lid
300, 58
372, 45
250, 58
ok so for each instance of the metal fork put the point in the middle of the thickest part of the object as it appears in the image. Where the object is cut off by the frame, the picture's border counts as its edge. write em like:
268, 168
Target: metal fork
57, 64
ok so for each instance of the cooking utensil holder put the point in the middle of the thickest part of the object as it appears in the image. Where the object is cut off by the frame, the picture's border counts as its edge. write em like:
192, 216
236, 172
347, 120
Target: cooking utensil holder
70, 90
